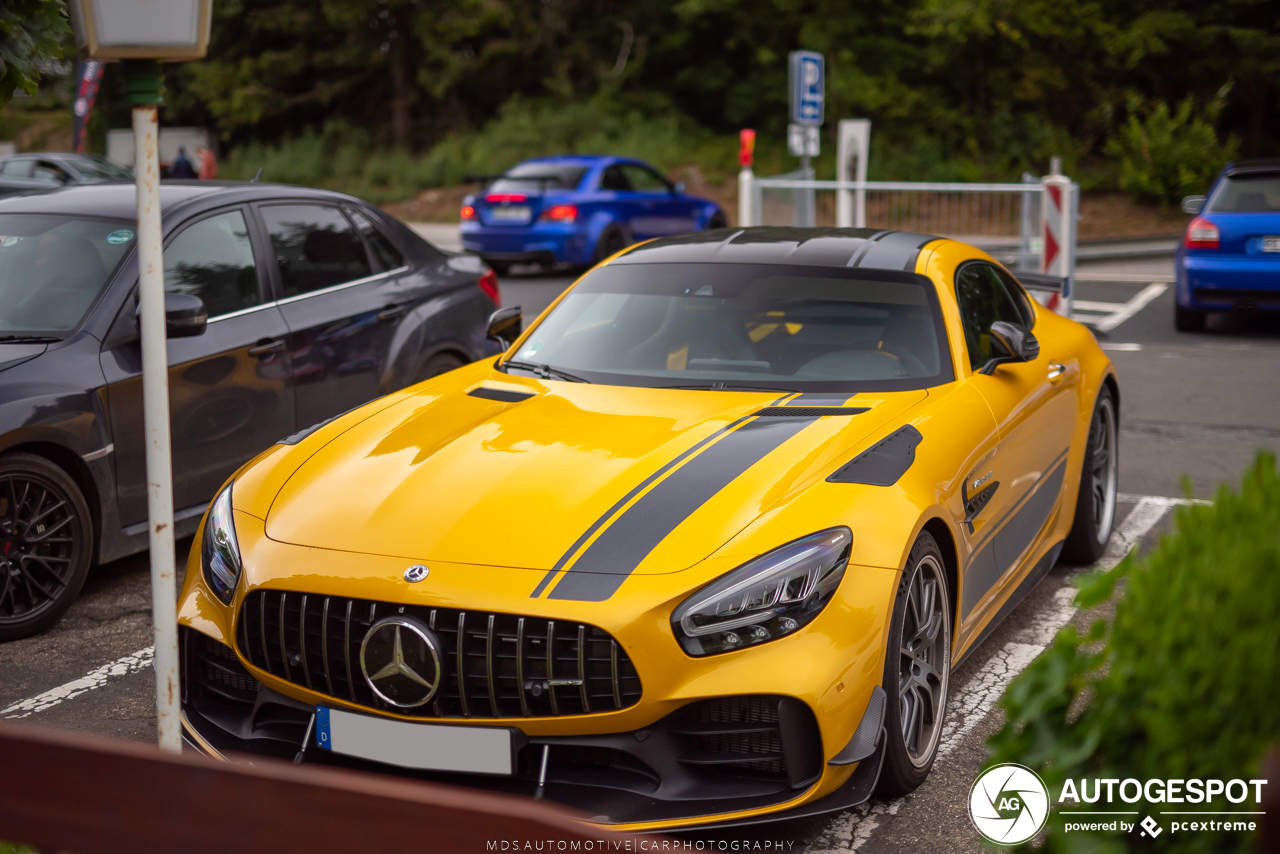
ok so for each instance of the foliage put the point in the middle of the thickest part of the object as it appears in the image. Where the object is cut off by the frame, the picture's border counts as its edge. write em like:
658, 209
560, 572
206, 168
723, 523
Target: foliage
1180, 683
34, 35
1166, 154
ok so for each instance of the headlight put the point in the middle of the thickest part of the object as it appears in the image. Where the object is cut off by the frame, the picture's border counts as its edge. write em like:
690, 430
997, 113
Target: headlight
219, 550
772, 596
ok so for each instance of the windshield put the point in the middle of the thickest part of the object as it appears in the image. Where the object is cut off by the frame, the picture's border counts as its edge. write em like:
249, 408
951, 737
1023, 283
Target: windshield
536, 177
94, 169
707, 325
1259, 193
52, 267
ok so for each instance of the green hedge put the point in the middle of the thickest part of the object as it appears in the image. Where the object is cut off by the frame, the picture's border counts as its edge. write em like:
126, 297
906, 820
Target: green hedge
1184, 680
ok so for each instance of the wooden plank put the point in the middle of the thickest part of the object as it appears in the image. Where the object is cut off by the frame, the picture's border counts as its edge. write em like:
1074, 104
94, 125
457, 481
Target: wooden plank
70, 791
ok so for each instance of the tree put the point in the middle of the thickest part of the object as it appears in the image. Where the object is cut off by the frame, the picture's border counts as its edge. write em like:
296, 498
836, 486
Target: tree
33, 40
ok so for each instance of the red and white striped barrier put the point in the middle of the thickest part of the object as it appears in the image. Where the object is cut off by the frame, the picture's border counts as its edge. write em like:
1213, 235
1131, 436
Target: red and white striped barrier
1058, 237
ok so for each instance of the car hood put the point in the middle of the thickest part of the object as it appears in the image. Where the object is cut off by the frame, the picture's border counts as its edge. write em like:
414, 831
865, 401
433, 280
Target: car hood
13, 354
541, 482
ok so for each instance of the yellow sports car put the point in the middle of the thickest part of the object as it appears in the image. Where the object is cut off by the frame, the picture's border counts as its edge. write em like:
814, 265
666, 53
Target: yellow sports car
702, 546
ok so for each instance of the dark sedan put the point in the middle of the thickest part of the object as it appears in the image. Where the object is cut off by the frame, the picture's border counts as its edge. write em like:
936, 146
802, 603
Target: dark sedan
286, 307
36, 172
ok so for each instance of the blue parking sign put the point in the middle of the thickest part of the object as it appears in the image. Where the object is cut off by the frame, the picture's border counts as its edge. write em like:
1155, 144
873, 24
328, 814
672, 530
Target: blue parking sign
808, 86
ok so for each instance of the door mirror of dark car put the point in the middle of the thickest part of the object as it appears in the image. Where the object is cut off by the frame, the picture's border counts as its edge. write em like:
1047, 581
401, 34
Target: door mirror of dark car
506, 324
185, 316
1010, 343
1192, 204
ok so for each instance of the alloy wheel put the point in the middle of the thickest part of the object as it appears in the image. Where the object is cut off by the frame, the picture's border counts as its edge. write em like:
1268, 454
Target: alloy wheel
1103, 468
924, 662
38, 547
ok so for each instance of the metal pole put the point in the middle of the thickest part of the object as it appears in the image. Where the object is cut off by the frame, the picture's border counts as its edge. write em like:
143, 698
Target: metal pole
144, 85
746, 178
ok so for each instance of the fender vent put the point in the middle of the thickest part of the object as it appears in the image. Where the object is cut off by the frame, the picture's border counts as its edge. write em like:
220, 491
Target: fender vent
810, 411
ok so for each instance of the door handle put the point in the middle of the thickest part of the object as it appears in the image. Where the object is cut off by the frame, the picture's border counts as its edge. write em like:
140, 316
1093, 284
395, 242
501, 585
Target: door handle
267, 347
391, 312
1056, 370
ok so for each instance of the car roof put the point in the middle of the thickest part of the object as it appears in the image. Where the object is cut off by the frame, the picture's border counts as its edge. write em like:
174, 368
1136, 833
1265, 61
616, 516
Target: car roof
571, 159
1253, 166
819, 247
117, 199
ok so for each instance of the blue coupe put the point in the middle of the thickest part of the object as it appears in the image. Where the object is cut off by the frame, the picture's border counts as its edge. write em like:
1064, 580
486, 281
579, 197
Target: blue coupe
577, 209
1230, 257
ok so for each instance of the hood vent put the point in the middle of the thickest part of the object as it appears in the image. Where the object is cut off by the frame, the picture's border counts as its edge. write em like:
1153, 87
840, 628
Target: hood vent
810, 411
502, 394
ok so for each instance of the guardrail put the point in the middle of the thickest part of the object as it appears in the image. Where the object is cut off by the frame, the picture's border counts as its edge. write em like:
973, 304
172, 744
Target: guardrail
70, 791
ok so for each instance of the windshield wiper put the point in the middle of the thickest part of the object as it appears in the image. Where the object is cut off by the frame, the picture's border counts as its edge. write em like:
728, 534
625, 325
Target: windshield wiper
28, 339
544, 371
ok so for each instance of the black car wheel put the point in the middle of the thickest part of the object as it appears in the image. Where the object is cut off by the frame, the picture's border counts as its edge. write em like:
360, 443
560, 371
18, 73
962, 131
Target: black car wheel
611, 241
1096, 504
46, 540
717, 220
1188, 319
917, 670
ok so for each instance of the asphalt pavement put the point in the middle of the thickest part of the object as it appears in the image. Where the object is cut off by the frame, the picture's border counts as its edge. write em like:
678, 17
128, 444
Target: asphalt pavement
1194, 407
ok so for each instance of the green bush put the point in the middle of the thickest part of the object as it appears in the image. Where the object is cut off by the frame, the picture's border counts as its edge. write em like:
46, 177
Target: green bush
1180, 683
1166, 154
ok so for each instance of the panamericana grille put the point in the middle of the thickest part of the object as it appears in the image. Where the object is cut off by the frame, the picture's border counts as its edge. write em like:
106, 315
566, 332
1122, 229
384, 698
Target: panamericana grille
495, 665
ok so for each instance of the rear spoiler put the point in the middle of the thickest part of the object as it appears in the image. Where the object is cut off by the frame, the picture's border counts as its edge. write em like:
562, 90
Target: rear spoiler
489, 179
1041, 281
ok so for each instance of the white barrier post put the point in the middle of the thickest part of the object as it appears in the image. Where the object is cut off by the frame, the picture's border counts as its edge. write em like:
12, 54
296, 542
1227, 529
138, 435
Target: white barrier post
1058, 232
852, 145
746, 178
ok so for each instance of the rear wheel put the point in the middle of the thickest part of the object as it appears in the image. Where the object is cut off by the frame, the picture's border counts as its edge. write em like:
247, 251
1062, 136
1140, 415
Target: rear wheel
500, 268
611, 240
717, 220
1096, 504
1188, 319
46, 540
917, 670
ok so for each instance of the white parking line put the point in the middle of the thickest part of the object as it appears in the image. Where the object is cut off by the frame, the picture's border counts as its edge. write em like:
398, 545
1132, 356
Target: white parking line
1105, 316
969, 705
94, 679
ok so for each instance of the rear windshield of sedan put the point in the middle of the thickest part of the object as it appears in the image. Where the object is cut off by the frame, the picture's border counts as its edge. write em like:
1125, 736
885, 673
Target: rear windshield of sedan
52, 267
535, 177
1258, 193
709, 325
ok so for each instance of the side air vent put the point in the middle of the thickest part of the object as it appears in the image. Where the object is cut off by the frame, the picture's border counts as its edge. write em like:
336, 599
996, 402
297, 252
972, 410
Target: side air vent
502, 394
810, 411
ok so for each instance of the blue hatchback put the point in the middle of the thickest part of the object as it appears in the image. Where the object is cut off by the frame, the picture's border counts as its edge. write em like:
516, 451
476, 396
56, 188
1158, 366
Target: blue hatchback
577, 210
1230, 257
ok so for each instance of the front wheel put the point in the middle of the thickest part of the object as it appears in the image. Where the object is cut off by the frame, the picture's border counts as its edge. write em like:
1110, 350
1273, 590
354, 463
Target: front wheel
917, 670
1096, 504
46, 541
1188, 319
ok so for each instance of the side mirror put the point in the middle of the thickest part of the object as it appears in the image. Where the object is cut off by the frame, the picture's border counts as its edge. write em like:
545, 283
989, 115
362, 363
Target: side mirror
1010, 343
678, 188
1192, 204
185, 315
505, 325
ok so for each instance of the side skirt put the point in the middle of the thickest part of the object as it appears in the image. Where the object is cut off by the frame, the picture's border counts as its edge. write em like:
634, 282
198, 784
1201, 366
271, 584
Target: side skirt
1024, 589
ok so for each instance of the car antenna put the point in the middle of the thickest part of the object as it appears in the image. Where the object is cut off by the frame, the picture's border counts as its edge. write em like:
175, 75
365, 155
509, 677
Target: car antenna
257, 175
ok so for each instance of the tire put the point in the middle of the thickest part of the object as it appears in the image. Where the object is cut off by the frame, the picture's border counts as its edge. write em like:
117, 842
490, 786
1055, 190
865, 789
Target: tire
1188, 319
717, 221
500, 268
917, 670
1096, 504
611, 240
46, 544
439, 364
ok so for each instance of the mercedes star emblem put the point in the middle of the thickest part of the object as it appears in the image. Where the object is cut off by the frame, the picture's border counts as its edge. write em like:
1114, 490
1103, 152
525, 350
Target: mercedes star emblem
416, 573
401, 660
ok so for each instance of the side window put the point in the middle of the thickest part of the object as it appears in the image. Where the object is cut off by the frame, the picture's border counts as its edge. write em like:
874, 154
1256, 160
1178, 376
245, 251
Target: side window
315, 247
18, 168
50, 172
644, 180
1020, 297
213, 259
982, 299
613, 179
384, 252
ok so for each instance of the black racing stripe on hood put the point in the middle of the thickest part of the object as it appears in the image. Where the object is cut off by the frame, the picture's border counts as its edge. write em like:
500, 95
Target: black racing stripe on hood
891, 250
615, 554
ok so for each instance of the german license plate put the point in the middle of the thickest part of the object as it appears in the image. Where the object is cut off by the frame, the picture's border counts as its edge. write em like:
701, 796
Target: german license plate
1271, 244
427, 747
510, 213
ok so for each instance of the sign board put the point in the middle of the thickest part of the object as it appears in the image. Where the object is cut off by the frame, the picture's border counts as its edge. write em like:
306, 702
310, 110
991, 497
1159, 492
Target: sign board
808, 86
803, 140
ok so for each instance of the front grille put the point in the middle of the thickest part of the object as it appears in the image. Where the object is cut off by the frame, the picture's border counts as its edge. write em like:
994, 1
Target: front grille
496, 665
754, 735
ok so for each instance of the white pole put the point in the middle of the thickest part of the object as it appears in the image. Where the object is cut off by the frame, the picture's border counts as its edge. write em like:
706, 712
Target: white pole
746, 194
155, 404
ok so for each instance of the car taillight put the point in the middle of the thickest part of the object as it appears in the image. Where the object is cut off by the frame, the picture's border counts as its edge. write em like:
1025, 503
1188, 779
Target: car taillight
467, 212
561, 213
1202, 234
489, 284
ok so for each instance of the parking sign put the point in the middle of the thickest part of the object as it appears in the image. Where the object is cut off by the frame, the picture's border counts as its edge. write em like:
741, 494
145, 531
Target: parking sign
808, 86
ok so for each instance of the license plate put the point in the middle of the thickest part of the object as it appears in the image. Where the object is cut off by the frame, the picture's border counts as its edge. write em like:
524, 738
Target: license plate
1271, 244
426, 747
509, 213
